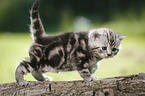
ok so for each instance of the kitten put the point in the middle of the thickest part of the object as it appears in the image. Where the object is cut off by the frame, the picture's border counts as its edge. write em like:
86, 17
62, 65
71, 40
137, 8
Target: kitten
66, 52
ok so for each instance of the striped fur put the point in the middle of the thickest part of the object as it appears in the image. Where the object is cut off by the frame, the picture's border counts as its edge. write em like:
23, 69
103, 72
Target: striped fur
66, 52
36, 27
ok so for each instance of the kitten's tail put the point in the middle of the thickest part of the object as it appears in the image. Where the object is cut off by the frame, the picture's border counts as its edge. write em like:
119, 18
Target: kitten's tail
36, 27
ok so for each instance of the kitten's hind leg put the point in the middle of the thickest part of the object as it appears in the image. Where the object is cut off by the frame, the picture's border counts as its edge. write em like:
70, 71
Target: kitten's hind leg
40, 77
22, 69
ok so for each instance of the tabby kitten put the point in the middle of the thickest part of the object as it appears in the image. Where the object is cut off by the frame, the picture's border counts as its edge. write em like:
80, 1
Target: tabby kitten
66, 52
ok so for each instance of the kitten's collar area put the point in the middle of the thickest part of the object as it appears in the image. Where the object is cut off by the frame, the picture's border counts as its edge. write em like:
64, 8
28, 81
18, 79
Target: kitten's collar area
97, 57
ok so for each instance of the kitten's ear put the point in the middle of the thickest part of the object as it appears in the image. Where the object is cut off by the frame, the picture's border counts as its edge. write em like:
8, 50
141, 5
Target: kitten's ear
96, 35
121, 37
93, 34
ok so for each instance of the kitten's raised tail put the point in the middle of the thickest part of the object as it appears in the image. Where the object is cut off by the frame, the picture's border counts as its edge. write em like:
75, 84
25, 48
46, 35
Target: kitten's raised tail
36, 27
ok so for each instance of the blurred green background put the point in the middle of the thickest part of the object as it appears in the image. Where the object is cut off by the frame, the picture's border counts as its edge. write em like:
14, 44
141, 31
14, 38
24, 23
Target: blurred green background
123, 16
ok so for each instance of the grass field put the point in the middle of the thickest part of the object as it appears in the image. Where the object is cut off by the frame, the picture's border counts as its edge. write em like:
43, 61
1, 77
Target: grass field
131, 59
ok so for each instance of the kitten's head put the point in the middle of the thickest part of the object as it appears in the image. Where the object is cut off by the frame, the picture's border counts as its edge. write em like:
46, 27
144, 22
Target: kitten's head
105, 42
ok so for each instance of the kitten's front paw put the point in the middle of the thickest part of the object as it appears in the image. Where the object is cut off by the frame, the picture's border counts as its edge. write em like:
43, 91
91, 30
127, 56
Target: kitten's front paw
23, 83
47, 78
91, 78
94, 77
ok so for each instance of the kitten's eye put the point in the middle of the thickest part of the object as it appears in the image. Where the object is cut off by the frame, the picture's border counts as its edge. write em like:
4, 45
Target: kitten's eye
104, 48
114, 49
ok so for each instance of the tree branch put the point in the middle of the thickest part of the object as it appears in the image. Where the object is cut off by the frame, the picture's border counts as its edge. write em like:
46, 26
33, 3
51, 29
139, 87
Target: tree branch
130, 85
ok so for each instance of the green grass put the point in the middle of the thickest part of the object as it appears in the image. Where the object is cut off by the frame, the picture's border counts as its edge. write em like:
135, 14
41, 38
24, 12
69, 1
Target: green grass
13, 48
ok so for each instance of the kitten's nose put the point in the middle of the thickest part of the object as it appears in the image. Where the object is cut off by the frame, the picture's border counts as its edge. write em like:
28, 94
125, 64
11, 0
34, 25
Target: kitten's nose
109, 54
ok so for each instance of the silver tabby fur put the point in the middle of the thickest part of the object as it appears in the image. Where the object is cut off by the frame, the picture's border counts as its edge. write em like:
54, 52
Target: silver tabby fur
66, 52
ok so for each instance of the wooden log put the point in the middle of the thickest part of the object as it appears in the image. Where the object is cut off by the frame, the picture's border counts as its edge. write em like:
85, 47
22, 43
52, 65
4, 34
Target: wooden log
130, 85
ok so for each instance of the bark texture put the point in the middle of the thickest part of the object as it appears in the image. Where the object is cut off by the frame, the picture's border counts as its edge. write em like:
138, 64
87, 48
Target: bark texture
130, 85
